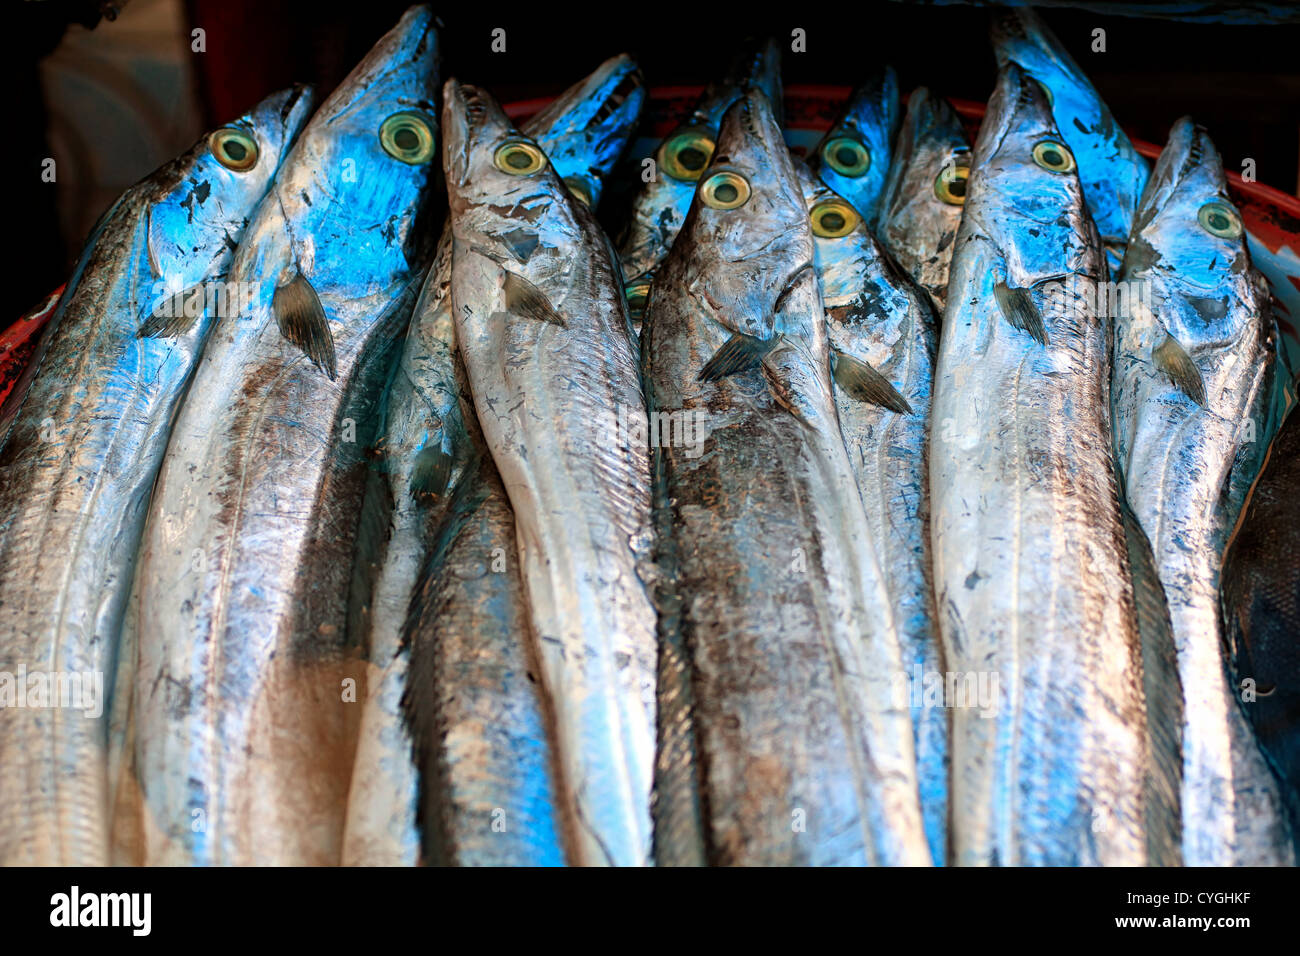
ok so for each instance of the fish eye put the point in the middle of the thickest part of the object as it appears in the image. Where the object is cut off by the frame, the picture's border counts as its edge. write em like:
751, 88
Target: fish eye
638, 295
847, 156
950, 184
833, 218
725, 189
1220, 219
1053, 156
518, 157
234, 149
579, 188
407, 136
685, 154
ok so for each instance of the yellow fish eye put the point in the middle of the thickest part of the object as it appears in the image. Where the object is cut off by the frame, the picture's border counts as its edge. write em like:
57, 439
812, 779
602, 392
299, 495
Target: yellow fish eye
638, 295
950, 184
725, 189
408, 136
847, 156
1053, 156
518, 157
1220, 219
234, 148
685, 154
833, 218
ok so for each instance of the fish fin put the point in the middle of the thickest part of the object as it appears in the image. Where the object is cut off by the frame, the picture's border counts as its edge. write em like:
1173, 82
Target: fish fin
431, 473
302, 321
525, 299
1172, 359
1018, 308
173, 315
740, 353
864, 384
1163, 691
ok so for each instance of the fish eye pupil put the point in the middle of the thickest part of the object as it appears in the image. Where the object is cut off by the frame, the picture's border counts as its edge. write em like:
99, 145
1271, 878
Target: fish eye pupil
726, 192
845, 156
957, 187
1052, 157
235, 150
832, 221
406, 138
1218, 220
692, 158
517, 159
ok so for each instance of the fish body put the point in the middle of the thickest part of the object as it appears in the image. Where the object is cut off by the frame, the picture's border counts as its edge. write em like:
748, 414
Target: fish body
245, 715
920, 211
79, 463
661, 206
1111, 171
426, 450
1261, 613
1193, 366
1030, 562
855, 155
780, 742
542, 327
877, 317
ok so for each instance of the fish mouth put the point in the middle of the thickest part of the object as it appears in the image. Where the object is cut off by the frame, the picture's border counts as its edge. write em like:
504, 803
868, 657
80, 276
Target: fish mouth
470, 117
758, 68
1189, 153
1016, 101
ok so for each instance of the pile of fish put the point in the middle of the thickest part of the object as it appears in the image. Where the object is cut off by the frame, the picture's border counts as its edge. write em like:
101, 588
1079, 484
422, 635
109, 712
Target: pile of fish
863, 507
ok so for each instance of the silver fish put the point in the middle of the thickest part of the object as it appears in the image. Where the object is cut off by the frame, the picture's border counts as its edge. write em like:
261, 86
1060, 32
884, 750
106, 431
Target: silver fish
780, 740
82, 455
1193, 365
661, 206
882, 343
426, 451
244, 716
1030, 562
926, 191
543, 330
1109, 168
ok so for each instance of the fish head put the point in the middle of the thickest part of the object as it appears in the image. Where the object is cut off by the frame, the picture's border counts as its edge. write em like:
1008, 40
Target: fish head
840, 239
204, 199
359, 174
507, 202
585, 130
1112, 172
745, 245
1024, 194
853, 157
1189, 233
931, 164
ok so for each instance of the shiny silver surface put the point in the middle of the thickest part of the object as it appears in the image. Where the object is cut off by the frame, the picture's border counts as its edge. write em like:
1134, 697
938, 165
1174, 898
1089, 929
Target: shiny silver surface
542, 328
780, 740
1187, 465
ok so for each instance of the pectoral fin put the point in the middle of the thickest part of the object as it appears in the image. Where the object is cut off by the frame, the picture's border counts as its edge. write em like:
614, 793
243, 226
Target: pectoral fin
1018, 308
863, 383
302, 321
526, 300
740, 353
1172, 359
174, 315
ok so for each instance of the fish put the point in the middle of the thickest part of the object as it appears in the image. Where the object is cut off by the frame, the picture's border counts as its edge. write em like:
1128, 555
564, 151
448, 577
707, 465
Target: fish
1054, 766
855, 155
1112, 172
1261, 614
781, 742
78, 467
249, 678
426, 451
551, 361
882, 334
1193, 371
920, 209
661, 206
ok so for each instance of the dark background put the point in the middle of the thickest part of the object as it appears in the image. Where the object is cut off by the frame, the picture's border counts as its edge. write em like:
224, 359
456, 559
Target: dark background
1242, 82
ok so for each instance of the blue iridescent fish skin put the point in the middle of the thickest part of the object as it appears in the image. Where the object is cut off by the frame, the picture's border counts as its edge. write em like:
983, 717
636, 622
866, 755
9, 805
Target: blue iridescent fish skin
869, 122
1111, 171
